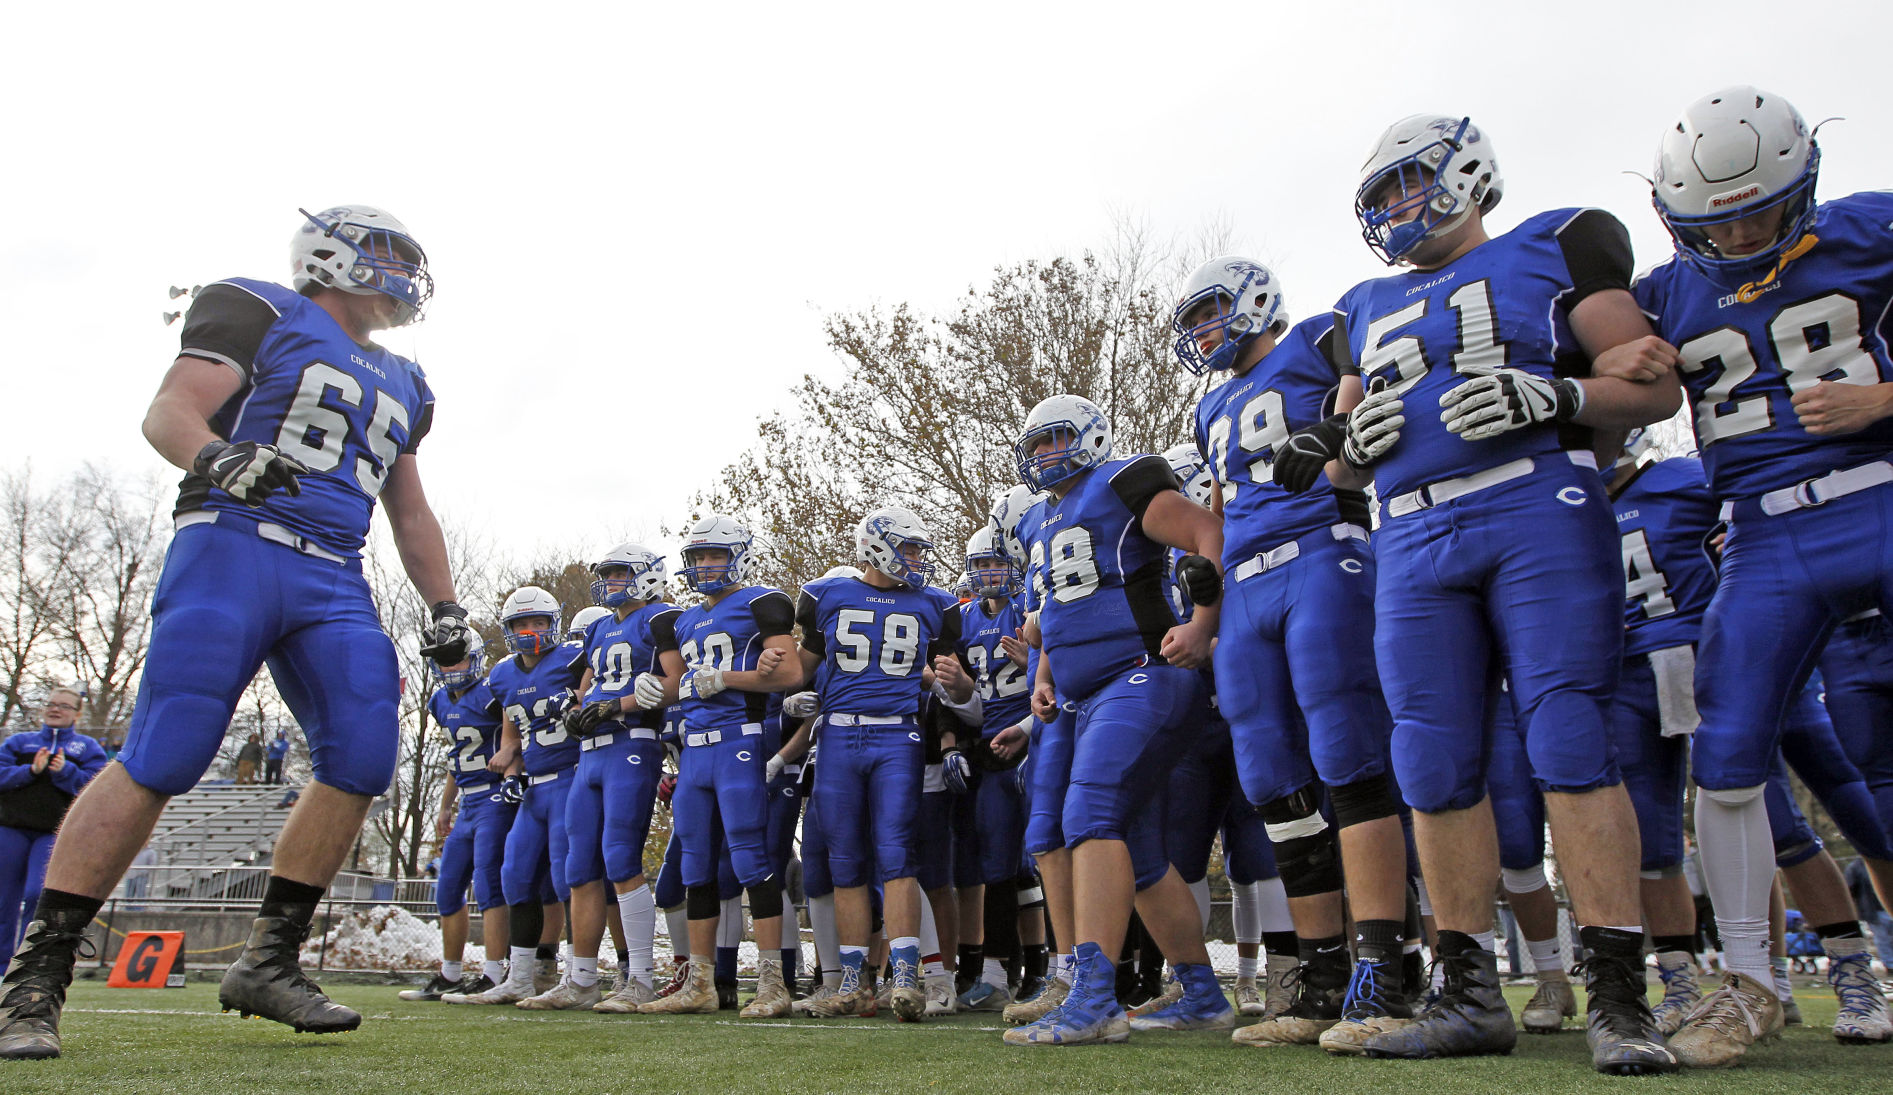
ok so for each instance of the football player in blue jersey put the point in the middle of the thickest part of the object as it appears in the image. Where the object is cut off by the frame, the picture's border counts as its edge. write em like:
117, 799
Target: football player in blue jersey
290, 423
1471, 412
472, 824
632, 670
1114, 648
534, 686
1773, 309
737, 647
1294, 659
867, 644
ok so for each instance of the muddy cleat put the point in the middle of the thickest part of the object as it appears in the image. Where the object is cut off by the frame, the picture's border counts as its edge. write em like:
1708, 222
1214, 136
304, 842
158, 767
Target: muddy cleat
859, 1004
910, 1003
940, 998
435, 988
772, 996
631, 996
1862, 1019
1199, 1004
1090, 1014
268, 981
1248, 997
822, 992
1172, 992
679, 977
34, 990
545, 975
479, 982
506, 992
1469, 1018
1726, 1022
1031, 1011
695, 996
1319, 988
1680, 994
985, 997
1374, 1005
564, 996
1278, 993
1619, 1026
1549, 1007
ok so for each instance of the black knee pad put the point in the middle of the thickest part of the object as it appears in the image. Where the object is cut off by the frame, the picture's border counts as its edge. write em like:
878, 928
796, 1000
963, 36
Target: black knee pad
1362, 801
1306, 850
701, 903
765, 899
526, 922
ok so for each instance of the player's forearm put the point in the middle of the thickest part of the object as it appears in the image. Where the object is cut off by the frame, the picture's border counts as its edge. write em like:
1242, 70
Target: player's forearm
1345, 476
176, 430
423, 549
1613, 404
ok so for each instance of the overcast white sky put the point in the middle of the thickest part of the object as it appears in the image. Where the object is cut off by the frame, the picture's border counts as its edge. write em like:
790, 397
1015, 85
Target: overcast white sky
652, 206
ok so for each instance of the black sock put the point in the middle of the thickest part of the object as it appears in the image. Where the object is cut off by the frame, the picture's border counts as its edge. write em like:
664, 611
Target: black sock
1684, 943
548, 952
1840, 929
291, 900
1281, 944
1452, 944
971, 959
66, 912
527, 921
1038, 959
1330, 949
1379, 940
624, 964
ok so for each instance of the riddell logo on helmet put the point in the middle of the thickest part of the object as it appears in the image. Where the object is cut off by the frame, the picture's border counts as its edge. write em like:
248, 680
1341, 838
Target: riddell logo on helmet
1738, 196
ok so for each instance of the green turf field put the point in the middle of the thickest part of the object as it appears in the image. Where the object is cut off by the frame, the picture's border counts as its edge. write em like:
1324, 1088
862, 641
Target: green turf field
155, 1041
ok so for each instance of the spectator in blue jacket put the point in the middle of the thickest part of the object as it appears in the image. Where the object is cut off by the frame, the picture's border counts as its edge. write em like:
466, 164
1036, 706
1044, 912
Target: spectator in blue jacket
41, 772
273, 757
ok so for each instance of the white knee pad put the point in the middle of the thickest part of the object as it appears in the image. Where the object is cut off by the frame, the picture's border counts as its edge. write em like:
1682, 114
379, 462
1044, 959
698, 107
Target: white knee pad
1739, 796
1526, 879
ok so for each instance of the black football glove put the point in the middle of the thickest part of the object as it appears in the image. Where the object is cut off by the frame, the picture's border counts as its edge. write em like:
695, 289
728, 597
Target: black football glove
247, 471
958, 771
584, 721
1300, 460
447, 638
1198, 578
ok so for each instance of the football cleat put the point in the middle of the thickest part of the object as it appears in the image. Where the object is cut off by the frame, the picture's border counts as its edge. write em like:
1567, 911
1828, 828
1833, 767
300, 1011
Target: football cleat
1469, 1018
1622, 1032
822, 992
726, 997
940, 998
1031, 1011
1374, 1005
1790, 1011
1549, 1007
910, 1003
1090, 1014
1199, 1004
1320, 988
267, 981
1677, 969
1248, 997
696, 995
1172, 992
985, 997
1862, 1019
679, 977
859, 1004
479, 982
545, 975
1278, 992
564, 996
34, 991
631, 996
772, 996
506, 992
435, 988
1742, 1012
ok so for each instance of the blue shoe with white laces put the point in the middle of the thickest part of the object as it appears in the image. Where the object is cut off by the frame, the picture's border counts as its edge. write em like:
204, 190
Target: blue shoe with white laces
985, 997
1091, 1015
1201, 1007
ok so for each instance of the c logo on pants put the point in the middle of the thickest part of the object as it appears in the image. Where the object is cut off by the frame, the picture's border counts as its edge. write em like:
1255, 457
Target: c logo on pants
1352, 566
1573, 496
635, 759
1139, 678
743, 754
913, 735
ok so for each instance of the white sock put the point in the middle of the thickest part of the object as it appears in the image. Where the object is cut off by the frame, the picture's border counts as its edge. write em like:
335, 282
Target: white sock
584, 971
677, 926
495, 969
1784, 988
519, 973
1425, 902
1200, 890
1738, 869
821, 922
638, 910
1246, 967
1485, 939
929, 928
449, 971
729, 923
994, 973
1546, 955
1063, 966
900, 942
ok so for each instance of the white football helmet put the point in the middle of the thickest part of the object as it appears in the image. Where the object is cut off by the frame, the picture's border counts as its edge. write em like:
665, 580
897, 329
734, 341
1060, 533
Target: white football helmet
582, 619
714, 531
990, 569
893, 541
458, 680
1008, 510
1442, 166
531, 601
1639, 448
842, 571
1081, 437
361, 249
1248, 300
1731, 155
1192, 472
638, 574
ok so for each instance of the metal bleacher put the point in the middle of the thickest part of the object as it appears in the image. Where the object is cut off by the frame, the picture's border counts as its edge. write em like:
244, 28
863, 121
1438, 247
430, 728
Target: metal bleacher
221, 825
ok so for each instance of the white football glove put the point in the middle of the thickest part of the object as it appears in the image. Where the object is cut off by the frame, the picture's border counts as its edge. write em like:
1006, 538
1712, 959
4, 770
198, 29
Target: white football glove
802, 705
1495, 401
1373, 426
773, 768
701, 683
648, 690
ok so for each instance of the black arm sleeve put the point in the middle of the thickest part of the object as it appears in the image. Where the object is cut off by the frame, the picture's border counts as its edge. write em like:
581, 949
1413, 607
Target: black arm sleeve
419, 430
1334, 347
664, 630
812, 638
948, 642
1140, 481
1596, 250
227, 324
773, 613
